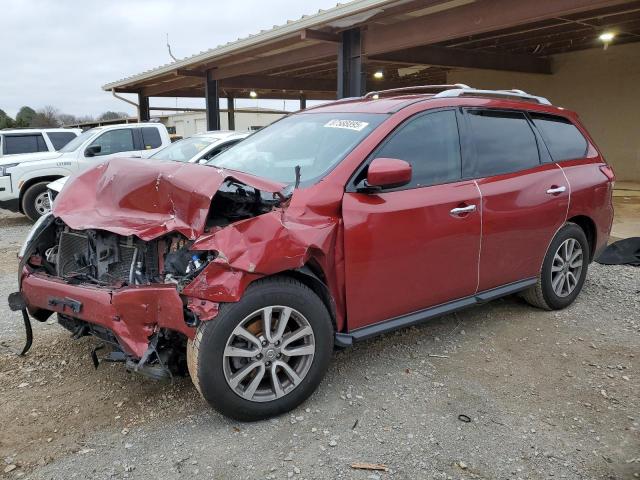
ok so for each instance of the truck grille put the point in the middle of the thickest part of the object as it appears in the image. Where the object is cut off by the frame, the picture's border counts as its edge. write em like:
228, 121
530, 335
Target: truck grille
73, 246
74, 252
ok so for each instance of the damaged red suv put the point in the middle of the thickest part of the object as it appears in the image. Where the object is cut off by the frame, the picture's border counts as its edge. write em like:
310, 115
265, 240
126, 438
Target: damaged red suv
328, 227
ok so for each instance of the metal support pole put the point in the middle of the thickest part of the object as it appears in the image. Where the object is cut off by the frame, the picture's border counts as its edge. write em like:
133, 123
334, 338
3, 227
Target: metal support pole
231, 113
351, 74
212, 101
143, 108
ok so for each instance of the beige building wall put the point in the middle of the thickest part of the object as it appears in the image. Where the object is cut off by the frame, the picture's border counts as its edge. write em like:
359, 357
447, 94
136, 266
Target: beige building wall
188, 124
602, 86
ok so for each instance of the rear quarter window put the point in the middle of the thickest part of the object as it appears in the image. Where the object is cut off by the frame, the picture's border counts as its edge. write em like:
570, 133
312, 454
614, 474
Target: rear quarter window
60, 139
151, 138
563, 139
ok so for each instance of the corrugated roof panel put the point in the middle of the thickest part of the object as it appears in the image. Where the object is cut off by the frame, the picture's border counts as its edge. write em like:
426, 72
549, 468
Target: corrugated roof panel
322, 18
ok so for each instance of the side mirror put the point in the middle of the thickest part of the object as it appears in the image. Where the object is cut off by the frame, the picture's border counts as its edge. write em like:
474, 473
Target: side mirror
387, 173
92, 150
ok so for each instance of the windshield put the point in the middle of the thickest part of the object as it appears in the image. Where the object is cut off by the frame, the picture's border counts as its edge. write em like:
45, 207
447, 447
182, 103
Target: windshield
314, 141
184, 150
74, 144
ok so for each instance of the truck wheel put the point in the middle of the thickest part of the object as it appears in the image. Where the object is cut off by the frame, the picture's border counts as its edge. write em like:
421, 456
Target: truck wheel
265, 354
35, 201
563, 271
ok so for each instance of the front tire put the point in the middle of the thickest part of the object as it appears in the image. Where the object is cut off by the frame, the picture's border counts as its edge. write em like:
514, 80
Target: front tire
35, 201
564, 270
265, 354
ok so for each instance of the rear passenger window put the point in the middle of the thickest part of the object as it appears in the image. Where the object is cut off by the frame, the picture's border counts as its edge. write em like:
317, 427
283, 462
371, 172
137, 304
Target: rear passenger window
60, 139
504, 142
151, 138
430, 143
24, 144
562, 137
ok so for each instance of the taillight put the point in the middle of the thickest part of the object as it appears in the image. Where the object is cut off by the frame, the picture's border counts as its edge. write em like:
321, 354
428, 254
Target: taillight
608, 171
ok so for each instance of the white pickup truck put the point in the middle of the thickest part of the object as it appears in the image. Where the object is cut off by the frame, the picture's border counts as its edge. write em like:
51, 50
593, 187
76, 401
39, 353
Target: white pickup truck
24, 179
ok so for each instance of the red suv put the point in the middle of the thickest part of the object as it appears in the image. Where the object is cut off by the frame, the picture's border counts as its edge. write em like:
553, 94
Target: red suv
328, 227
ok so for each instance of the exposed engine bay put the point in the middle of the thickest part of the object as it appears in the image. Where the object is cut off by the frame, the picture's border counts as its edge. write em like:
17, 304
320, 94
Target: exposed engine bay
104, 258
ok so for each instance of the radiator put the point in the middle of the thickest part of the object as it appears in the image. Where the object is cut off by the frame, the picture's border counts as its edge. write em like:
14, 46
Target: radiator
73, 251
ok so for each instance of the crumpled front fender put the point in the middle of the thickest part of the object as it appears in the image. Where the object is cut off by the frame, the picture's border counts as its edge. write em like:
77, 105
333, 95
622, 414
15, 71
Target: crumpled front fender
266, 245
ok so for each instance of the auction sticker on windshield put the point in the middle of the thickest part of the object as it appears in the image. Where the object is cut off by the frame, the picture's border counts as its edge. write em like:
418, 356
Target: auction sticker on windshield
348, 124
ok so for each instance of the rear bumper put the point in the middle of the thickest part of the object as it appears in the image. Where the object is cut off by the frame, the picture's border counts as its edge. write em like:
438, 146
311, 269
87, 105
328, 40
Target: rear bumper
133, 314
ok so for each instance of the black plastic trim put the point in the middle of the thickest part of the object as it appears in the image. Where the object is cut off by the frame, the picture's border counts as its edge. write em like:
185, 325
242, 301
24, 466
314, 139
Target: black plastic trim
347, 339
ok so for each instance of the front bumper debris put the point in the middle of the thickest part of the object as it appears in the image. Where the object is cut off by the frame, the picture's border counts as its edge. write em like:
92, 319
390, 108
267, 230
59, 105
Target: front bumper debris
132, 313
17, 303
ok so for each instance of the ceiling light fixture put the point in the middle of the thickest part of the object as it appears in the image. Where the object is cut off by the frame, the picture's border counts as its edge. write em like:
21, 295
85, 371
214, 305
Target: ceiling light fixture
379, 74
253, 94
606, 37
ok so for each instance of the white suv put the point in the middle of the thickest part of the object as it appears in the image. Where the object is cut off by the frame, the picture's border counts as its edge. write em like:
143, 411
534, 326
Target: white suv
22, 141
24, 178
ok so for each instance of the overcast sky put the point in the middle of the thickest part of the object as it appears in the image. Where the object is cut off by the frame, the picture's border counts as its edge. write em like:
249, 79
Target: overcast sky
60, 53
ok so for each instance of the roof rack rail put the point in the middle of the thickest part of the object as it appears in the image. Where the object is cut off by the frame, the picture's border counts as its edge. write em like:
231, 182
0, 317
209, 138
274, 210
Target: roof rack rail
418, 88
509, 94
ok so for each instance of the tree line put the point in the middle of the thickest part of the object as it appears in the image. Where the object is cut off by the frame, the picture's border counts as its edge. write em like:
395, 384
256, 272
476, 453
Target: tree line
50, 116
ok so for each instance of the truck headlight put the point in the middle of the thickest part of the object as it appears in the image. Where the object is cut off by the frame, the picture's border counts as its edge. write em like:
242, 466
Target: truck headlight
4, 168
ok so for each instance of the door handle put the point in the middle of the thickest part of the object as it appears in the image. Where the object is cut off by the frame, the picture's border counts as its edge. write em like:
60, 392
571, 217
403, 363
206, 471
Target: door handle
462, 210
556, 190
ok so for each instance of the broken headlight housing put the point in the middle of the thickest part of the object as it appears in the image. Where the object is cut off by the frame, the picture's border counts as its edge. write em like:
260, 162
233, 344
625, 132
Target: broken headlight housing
40, 225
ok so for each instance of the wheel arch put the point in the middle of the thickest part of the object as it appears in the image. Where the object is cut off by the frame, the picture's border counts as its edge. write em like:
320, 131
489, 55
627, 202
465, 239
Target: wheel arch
588, 226
32, 181
313, 277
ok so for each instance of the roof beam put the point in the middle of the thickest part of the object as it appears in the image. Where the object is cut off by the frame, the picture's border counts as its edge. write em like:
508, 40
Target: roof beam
478, 17
178, 84
244, 82
319, 36
258, 64
457, 57
181, 72
279, 83
199, 93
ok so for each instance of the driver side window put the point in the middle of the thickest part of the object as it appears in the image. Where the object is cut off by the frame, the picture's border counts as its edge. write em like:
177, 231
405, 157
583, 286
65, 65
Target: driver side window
431, 144
115, 141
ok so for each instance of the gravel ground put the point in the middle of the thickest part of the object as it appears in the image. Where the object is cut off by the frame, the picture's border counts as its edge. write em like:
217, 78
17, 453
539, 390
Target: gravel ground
548, 395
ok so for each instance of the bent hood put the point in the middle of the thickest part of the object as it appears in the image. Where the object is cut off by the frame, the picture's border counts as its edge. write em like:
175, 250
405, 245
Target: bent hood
145, 197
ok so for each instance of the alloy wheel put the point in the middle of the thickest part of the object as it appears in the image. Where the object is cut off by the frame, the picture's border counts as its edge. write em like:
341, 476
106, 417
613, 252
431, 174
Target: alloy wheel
269, 353
566, 267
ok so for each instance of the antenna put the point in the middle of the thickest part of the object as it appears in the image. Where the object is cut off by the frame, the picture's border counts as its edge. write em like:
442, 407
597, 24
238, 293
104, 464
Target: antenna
169, 48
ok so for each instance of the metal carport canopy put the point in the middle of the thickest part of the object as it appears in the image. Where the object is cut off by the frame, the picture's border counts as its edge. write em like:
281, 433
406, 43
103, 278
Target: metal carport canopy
335, 52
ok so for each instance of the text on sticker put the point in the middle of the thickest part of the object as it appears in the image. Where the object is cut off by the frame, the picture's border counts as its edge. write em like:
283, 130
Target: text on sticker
348, 124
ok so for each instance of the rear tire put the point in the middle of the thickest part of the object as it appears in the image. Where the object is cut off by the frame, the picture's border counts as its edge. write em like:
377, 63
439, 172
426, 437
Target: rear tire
35, 201
281, 373
563, 271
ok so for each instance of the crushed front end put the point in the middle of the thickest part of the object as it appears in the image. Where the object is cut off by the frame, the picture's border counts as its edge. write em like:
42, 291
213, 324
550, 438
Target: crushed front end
123, 274
123, 290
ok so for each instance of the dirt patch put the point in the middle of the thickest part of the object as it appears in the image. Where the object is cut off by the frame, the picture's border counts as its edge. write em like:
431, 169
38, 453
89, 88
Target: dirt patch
53, 398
